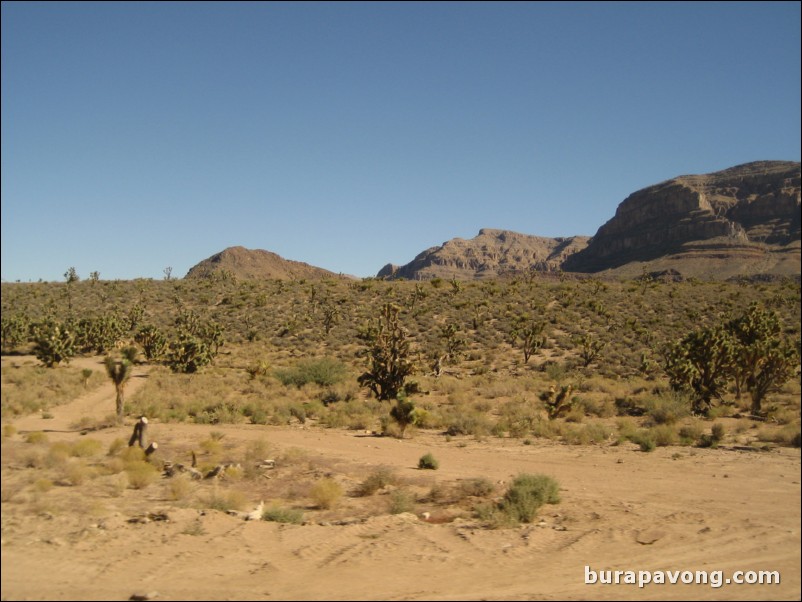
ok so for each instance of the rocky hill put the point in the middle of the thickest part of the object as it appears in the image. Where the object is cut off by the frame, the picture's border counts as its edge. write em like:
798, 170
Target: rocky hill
741, 221
255, 264
491, 253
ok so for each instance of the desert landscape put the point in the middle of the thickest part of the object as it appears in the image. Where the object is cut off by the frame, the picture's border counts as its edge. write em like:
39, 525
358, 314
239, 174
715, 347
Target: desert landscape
280, 475
401, 301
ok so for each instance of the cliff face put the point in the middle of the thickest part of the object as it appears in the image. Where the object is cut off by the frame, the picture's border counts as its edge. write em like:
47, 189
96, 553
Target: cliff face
740, 212
256, 264
491, 253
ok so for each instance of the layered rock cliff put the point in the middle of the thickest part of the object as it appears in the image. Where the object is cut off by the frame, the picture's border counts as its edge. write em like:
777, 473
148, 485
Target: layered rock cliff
747, 216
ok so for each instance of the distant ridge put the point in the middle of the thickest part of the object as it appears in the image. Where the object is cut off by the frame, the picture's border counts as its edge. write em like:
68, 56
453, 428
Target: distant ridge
256, 264
740, 221
743, 221
492, 253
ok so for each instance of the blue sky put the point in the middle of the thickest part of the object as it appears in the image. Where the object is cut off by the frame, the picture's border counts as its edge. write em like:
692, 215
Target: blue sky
137, 136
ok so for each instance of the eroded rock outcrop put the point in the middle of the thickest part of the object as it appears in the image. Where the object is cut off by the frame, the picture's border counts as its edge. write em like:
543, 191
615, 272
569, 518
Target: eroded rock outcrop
742, 212
490, 254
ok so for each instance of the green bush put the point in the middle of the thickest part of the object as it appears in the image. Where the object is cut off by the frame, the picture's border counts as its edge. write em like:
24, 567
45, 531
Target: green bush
478, 487
401, 500
668, 407
428, 462
277, 514
325, 372
645, 439
526, 494
378, 479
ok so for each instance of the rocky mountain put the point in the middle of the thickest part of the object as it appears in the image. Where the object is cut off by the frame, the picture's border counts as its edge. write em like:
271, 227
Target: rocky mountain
740, 221
256, 264
490, 254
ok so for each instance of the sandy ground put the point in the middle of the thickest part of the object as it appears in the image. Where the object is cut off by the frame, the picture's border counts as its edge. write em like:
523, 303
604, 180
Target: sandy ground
676, 509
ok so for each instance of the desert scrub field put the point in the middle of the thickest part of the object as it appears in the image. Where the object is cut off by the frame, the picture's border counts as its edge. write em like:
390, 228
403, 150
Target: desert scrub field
527, 357
29, 387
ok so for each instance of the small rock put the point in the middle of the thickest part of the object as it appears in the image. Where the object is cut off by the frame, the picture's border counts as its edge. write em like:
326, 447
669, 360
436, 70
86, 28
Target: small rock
143, 595
647, 538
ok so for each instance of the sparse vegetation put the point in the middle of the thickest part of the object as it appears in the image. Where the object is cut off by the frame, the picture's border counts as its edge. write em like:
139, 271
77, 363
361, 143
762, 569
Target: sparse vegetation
428, 462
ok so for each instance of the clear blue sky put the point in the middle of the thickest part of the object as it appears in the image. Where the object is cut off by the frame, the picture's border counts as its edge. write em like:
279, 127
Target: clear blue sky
137, 136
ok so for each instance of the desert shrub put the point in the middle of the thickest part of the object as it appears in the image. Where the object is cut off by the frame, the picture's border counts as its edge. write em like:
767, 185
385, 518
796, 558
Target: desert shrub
603, 408
116, 446
211, 447
477, 487
140, 474
428, 462
715, 437
255, 452
76, 473
326, 493
668, 407
225, 500
689, 434
587, 434
575, 414
85, 448
132, 454
36, 438
627, 406
58, 454
645, 439
179, 487
378, 479
9, 430
664, 435
325, 372
42, 485
547, 429
788, 435
466, 423
518, 418
526, 494
278, 514
401, 500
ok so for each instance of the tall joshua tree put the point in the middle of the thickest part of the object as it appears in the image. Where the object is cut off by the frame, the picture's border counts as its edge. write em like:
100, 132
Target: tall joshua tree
119, 372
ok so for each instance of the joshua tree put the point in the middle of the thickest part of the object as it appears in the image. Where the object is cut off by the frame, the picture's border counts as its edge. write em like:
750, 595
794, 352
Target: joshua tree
389, 351
119, 372
764, 358
590, 349
54, 343
702, 363
531, 335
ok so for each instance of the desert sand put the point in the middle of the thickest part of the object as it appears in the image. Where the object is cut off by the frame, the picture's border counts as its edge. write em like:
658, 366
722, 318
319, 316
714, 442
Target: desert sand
676, 509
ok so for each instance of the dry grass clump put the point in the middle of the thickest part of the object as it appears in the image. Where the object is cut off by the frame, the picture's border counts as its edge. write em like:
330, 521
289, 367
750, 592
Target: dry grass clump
281, 514
401, 500
224, 500
141, 474
326, 493
378, 479
36, 438
179, 487
86, 448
